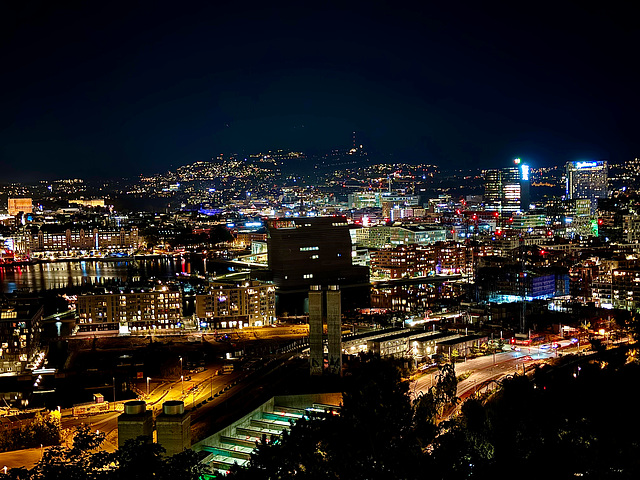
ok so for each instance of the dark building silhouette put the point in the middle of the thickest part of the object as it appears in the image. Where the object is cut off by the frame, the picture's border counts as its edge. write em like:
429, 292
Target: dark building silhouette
307, 251
311, 251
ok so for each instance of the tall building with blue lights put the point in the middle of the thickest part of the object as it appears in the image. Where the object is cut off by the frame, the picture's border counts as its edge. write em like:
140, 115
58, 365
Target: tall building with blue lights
507, 189
587, 180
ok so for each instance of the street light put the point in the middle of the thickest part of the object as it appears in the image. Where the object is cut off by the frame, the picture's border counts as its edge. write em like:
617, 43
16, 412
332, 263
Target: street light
182, 379
148, 378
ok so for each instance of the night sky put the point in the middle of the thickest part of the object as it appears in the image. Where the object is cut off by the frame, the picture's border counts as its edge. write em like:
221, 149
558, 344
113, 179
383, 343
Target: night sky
111, 89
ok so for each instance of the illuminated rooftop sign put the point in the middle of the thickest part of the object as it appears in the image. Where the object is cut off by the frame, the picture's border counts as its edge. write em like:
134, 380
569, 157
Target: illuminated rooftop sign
586, 164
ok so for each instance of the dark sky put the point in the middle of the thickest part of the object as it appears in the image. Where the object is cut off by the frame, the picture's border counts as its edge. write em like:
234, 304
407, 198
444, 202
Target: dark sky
91, 89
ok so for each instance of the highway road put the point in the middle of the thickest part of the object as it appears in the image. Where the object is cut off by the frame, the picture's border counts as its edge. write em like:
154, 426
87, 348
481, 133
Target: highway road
197, 389
490, 367
202, 385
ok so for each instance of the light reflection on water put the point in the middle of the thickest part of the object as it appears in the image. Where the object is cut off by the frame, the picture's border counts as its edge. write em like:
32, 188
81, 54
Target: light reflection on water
59, 275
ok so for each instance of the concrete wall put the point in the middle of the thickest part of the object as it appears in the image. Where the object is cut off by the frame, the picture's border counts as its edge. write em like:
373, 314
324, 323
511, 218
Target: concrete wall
133, 426
174, 432
292, 401
334, 330
306, 400
230, 430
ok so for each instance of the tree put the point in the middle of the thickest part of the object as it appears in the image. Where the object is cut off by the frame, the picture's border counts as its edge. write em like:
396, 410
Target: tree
429, 406
219, 234
138, 460
373, 438
81, 461
185, 465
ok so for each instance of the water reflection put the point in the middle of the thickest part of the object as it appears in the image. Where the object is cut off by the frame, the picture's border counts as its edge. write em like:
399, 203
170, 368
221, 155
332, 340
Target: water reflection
61, 275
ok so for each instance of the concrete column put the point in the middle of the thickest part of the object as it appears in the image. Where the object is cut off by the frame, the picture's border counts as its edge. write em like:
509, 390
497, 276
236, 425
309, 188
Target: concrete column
174, 427
334, 329
136, 421
316, 349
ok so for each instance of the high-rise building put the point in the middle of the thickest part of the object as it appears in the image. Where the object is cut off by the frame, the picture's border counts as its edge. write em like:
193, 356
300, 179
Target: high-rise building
311, 251
587, 180
506, 190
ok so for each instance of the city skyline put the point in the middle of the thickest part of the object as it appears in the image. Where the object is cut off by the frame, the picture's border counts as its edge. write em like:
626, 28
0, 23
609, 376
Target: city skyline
102, 92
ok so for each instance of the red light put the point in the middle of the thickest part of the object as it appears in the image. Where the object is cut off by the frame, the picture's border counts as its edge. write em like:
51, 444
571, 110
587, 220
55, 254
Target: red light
549, 233
599, 221
495, 214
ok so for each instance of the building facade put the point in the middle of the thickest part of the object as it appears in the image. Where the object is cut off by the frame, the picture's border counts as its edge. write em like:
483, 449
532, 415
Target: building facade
307, 251
20, 327
17, 205
251, 304
422, 260
382, 236
82, 240
136, 311
506, 190
625, 288
587, 180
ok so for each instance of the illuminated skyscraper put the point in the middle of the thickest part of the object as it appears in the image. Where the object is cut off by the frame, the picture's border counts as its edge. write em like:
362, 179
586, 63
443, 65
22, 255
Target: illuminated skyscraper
506, 190
587, 180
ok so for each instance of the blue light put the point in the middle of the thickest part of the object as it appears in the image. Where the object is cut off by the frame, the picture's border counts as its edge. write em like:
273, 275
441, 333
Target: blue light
586, 164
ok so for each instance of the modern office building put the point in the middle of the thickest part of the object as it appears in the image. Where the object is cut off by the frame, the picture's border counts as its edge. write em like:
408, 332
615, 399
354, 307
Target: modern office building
382, 236
311, 251
378, 199
625, 288
83, 240
422, 260
134, 311
247, 304
507, 189
631, 228
587, 180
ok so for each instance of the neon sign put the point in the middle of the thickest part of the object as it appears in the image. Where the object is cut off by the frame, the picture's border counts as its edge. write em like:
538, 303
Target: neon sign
585, 164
